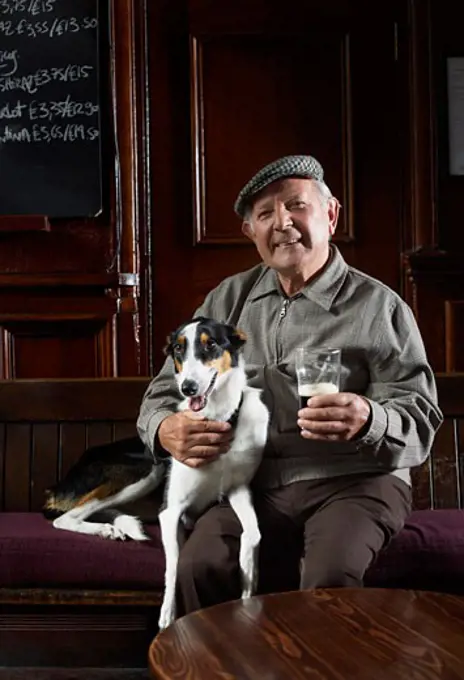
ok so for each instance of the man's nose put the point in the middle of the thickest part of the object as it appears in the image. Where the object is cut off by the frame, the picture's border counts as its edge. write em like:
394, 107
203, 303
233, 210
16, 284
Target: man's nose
282, 218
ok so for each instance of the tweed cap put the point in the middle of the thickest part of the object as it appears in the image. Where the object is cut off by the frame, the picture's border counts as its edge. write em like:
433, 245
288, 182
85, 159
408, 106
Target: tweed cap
287, 166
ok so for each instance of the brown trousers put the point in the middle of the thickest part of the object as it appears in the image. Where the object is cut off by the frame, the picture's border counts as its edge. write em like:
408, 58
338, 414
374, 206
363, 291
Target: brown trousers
322, 533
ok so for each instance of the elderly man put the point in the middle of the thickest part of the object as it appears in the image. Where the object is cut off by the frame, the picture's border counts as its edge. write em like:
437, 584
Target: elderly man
334, 484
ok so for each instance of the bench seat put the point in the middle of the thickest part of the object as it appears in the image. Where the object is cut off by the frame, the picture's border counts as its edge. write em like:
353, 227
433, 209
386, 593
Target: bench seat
428, 553
33, 554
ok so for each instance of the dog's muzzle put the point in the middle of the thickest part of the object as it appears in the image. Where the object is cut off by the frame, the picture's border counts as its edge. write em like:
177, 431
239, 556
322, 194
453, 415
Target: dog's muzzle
197, 402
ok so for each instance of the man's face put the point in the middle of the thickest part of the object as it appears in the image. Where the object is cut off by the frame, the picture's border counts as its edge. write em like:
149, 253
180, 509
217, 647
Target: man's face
291, 223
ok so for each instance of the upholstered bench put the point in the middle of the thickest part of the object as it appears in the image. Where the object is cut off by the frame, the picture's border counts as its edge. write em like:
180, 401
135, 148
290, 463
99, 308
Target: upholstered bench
33, 554
427, 554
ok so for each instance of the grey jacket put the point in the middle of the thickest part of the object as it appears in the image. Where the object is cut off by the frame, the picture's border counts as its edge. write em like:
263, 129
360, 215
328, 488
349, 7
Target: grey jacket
383, 359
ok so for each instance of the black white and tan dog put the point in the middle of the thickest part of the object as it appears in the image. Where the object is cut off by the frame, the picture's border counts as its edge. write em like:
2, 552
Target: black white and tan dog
210, 375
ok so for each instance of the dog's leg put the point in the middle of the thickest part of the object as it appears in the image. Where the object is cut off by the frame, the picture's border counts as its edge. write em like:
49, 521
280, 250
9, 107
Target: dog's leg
241, 501
169, 520
123, 526
75, 520
127, 525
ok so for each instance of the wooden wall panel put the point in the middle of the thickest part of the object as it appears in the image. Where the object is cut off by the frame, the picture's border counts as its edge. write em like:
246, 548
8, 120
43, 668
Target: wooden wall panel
17, 467
44, 349
447, 19
48, 424
44, 462
454, 327
239, 86
435, 291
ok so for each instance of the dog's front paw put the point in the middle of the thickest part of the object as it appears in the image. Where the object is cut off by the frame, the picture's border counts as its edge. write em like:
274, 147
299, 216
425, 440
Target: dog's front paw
166, 617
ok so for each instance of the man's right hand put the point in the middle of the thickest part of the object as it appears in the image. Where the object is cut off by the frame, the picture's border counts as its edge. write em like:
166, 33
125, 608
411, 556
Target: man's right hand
193, 440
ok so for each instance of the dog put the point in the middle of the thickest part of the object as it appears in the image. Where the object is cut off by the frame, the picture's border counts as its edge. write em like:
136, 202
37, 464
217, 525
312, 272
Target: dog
210, 374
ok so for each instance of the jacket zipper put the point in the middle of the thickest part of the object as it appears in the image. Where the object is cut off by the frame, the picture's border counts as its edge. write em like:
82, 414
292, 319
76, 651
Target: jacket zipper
282, 315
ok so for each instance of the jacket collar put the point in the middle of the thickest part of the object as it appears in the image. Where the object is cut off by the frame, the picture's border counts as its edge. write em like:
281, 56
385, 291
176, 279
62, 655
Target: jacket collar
321, 290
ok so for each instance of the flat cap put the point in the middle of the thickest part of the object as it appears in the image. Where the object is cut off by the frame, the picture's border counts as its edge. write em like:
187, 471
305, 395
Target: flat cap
287, 166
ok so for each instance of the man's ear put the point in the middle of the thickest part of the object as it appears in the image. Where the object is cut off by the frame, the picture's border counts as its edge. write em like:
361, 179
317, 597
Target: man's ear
248, 230
333, 210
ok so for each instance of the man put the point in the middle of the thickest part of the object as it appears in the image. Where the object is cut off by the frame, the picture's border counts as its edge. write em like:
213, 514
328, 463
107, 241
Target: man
334, 484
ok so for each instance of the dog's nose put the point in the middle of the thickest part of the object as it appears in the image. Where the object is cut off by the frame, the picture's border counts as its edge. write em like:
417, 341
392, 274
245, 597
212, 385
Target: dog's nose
189, 388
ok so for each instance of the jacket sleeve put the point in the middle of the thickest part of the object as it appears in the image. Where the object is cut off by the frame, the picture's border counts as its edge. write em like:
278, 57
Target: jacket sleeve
402, 394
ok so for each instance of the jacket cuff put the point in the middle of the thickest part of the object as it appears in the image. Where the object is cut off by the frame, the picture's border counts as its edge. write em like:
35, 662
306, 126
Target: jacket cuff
153, 426
378, 425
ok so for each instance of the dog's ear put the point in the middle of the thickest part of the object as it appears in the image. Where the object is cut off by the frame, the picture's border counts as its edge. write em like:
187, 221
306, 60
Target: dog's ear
236, 337
168, 348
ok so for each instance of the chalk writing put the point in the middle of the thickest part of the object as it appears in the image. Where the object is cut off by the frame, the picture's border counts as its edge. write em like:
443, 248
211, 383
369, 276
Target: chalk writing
33, 82
8, 62
32, 7
43, 133
54, 29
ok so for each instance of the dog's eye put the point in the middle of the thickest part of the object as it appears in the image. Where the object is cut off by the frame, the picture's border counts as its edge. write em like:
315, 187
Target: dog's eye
177, 350
211, 344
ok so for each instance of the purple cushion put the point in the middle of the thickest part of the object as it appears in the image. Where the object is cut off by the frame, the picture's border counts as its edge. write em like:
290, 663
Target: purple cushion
35, 554
427, 554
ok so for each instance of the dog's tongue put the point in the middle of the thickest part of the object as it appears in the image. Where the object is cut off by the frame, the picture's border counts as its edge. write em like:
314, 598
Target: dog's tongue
196, 403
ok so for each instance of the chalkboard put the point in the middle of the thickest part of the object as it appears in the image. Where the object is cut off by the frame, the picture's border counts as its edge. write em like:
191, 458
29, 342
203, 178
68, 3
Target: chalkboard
50, 118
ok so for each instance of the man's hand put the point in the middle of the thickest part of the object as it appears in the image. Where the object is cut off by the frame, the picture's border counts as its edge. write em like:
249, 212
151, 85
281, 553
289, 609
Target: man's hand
334, 417
193, 440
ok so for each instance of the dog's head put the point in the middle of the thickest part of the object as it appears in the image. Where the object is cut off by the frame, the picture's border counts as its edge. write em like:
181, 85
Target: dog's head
203, 351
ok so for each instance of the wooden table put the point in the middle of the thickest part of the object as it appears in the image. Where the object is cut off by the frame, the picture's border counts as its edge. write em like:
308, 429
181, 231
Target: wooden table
333, 634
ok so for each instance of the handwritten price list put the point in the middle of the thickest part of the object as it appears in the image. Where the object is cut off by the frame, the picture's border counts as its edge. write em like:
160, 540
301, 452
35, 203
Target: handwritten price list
49, 86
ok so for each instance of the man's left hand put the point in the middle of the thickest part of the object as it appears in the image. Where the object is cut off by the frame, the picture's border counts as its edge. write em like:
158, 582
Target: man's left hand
334, 417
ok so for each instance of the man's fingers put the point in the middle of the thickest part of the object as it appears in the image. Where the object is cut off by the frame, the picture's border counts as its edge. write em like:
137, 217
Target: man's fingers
213, 426
209, 452
324, 414
339, 399
197, 462
200, 424
320, 437
323, 427
210, 438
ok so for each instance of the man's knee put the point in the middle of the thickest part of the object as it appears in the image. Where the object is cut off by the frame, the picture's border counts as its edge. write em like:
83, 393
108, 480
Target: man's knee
339, 553
333, 571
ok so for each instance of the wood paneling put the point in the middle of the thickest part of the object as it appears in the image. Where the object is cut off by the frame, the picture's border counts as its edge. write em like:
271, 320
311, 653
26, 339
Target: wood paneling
454, 325
48, 424
240, 84
440, 482
447, 19
435, 289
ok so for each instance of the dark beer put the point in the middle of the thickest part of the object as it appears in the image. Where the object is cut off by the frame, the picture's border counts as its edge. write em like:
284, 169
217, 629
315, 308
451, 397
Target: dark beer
303, 401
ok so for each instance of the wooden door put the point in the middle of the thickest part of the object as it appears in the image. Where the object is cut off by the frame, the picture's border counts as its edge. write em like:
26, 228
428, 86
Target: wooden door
237, 83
